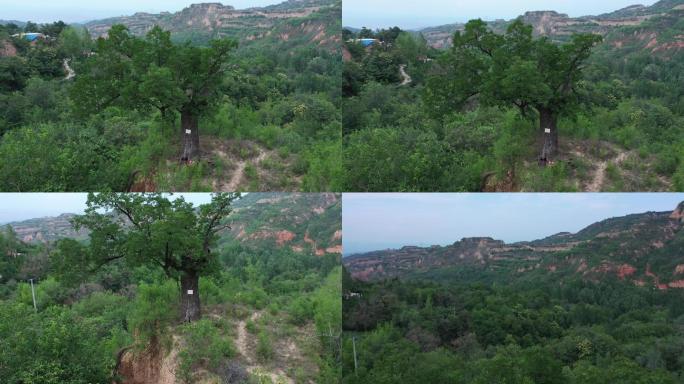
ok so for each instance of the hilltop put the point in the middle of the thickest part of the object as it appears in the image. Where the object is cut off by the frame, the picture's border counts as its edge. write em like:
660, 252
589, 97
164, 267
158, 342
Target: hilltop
203, 21
47, 229
645, 249
560, 27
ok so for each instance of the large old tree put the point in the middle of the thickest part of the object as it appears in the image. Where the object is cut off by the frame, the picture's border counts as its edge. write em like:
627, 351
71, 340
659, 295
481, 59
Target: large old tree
152, 72
534, 75
151, 230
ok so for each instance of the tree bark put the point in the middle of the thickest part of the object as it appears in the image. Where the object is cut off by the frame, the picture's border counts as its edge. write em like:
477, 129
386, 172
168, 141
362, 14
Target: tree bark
190, 136
548, 136
190, 301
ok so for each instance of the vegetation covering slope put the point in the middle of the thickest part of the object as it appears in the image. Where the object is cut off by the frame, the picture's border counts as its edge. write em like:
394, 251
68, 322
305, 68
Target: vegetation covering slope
418, 118
638, 248
271, 122
598, 306
270, 314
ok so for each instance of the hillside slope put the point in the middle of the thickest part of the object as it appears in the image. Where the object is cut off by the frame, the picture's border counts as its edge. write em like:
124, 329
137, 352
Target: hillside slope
269, 313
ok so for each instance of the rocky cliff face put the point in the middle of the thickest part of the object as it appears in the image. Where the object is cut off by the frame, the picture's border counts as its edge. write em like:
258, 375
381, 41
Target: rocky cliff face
47, 229
647, 249
483, 252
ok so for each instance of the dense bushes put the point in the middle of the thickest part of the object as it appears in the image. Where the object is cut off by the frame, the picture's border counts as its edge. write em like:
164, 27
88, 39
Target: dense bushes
204, 346
50, 347
533, 331
155, 309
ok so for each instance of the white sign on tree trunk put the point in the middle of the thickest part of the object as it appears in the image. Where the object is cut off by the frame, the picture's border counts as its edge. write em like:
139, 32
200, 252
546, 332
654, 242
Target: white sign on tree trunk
191, 292
187, 131
547, 130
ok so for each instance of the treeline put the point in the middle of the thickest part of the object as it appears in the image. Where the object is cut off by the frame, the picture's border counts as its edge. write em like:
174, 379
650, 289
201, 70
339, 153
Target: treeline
539, 331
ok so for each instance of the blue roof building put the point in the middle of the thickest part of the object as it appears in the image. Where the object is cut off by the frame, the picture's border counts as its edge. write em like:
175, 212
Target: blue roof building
30, 36
368, 42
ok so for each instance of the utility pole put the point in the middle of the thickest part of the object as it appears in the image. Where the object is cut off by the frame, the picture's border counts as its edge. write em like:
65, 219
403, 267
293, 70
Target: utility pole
33, 293
356, 365
330, 335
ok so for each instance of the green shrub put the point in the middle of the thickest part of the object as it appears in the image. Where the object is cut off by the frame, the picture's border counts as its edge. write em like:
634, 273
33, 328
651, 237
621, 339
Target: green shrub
264, 349
204, 346
154, 309
551, 178
251, 327
300, 310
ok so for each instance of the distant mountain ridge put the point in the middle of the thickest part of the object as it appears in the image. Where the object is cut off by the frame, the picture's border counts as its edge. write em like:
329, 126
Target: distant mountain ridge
16, 22
215, 20
646, 248
47, 229
560, 26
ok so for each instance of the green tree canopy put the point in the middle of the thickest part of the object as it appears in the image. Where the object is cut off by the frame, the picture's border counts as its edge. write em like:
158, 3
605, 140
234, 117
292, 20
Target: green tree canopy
513, 69
154, 73
148, 229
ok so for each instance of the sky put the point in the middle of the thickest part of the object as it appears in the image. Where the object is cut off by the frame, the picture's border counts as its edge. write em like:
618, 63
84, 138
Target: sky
381, 221
429, 13
75, 11
23, 206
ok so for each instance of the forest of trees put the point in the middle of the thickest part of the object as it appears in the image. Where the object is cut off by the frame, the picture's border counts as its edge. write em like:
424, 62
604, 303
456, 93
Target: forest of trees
475, 116
534, 331
125, 116
86, 316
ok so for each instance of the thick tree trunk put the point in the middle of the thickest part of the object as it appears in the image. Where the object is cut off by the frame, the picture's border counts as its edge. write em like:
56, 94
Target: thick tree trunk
190, 136
548, 136
190, 301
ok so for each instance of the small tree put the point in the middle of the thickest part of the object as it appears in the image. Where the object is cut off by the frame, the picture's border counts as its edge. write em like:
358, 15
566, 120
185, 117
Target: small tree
154, 73
513, 69
149, 229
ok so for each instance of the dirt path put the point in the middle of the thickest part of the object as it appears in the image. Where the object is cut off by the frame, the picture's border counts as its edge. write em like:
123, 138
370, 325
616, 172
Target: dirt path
597, 182
231, 180
70, 72
241, 341
407, 78
277, 375
239, 173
